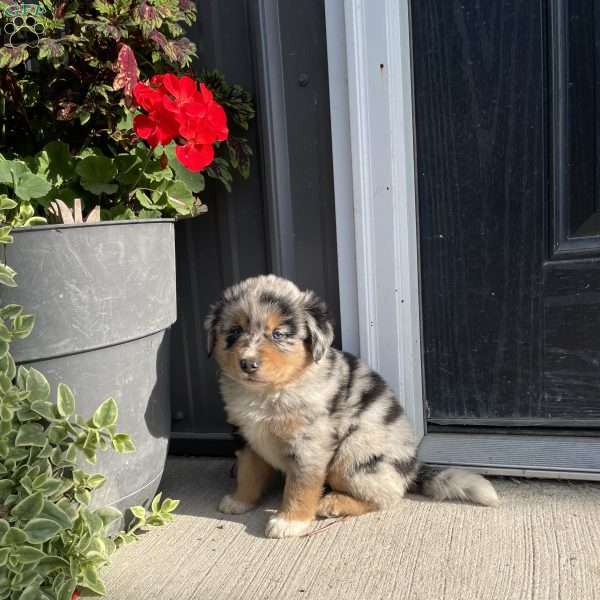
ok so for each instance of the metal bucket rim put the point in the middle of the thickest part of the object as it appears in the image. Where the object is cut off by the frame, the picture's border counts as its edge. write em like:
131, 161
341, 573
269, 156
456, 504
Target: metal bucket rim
98, 224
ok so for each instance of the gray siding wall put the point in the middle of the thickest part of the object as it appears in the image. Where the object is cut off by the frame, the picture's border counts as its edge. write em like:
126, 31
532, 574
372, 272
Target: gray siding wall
282, 219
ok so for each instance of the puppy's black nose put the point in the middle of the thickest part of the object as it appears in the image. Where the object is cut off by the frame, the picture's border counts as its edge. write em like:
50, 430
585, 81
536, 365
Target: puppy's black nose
249, 365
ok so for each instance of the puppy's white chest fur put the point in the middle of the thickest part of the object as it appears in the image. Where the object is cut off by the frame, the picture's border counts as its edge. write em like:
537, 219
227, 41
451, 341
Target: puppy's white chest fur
264, 421
265, 443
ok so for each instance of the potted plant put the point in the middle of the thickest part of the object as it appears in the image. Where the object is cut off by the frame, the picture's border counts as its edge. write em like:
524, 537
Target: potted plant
106, 136
53, 541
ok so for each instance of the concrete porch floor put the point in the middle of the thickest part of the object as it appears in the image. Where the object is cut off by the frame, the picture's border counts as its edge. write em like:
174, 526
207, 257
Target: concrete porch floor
542, 543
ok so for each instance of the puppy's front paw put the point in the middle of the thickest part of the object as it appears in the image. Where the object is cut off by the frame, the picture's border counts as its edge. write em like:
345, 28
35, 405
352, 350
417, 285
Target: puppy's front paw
280, 527
230, 506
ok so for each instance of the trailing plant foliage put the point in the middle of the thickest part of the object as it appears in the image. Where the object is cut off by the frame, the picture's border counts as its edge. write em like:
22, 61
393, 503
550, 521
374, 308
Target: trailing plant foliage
52, 540
77, 87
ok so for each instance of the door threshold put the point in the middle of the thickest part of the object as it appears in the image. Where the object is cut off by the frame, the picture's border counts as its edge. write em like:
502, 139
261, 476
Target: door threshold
539, 456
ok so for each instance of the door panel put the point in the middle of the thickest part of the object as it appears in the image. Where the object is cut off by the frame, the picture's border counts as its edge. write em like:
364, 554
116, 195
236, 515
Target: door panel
505, 111
481, 158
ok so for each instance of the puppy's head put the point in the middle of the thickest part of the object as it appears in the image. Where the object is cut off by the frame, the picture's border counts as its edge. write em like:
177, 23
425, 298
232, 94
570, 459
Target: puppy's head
266, 332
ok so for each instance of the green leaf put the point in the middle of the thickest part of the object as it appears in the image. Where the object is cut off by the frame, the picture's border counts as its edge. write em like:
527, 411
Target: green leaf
128, 166
33, 221
65, 591
83, 497
96, 169
52, 486
4, 527
31, 434
100, 188
126, 120
32, 592
56, 160
5, 334
6, 203
106, 414
156, 502
149, 214
41, 530
91, 580
6, 171
180, 197
139, 512
7, 276
52, 563
122, 443
10, 311
143, 199
22, 373
169, 505
29, 507
65, 401
54, 513
30, 186
14, 537
95, 481
8, 367
37, 385
108, 514
194, 181
6, 487
29, 554
156, 520
3, 556
4, 348
45, 409
23, 324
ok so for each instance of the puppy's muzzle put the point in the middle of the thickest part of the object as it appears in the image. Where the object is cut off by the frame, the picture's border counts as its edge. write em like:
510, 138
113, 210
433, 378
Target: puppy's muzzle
249, 365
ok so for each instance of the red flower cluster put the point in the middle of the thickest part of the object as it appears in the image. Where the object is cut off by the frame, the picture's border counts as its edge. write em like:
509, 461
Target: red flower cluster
180, 110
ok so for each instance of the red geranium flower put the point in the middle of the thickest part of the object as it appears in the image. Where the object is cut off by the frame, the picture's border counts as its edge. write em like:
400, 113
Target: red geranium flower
180, 110
195, 156
159, 127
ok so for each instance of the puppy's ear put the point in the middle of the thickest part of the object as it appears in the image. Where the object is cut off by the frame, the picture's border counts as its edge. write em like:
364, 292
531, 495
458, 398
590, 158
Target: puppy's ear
318, 324
211, 324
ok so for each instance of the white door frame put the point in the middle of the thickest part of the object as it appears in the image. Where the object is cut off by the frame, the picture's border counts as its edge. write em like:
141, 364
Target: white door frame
370, 80
368, 47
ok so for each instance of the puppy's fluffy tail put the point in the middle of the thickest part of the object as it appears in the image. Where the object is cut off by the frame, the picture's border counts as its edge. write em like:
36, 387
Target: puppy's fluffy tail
455, 484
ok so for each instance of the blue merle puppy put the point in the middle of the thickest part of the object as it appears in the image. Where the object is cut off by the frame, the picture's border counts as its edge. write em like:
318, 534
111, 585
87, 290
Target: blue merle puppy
320, 416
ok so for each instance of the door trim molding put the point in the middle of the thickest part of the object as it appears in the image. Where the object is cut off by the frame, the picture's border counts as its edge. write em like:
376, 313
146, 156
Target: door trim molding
378, 169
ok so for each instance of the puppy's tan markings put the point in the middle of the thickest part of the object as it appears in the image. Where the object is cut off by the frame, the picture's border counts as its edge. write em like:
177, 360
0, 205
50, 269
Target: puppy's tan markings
273, 321
301, 496
342, 505
253, 476
337, 478
282, 368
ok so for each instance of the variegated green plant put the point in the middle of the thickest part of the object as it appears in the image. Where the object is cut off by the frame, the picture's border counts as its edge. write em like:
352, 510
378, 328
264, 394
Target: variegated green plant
52, 541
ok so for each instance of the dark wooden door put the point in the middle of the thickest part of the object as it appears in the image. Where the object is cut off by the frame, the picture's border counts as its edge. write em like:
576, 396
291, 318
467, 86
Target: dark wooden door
507, 138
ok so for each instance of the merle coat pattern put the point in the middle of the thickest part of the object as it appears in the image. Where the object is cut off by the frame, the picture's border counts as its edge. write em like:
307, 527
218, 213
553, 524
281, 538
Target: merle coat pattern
320, 416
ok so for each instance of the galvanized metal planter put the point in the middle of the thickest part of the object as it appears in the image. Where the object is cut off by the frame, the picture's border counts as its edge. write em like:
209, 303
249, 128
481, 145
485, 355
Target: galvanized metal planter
104, 298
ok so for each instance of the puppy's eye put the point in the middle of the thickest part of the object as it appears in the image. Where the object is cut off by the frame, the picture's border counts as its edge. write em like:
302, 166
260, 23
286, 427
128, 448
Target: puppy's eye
235, 332
232, 336
278, 335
